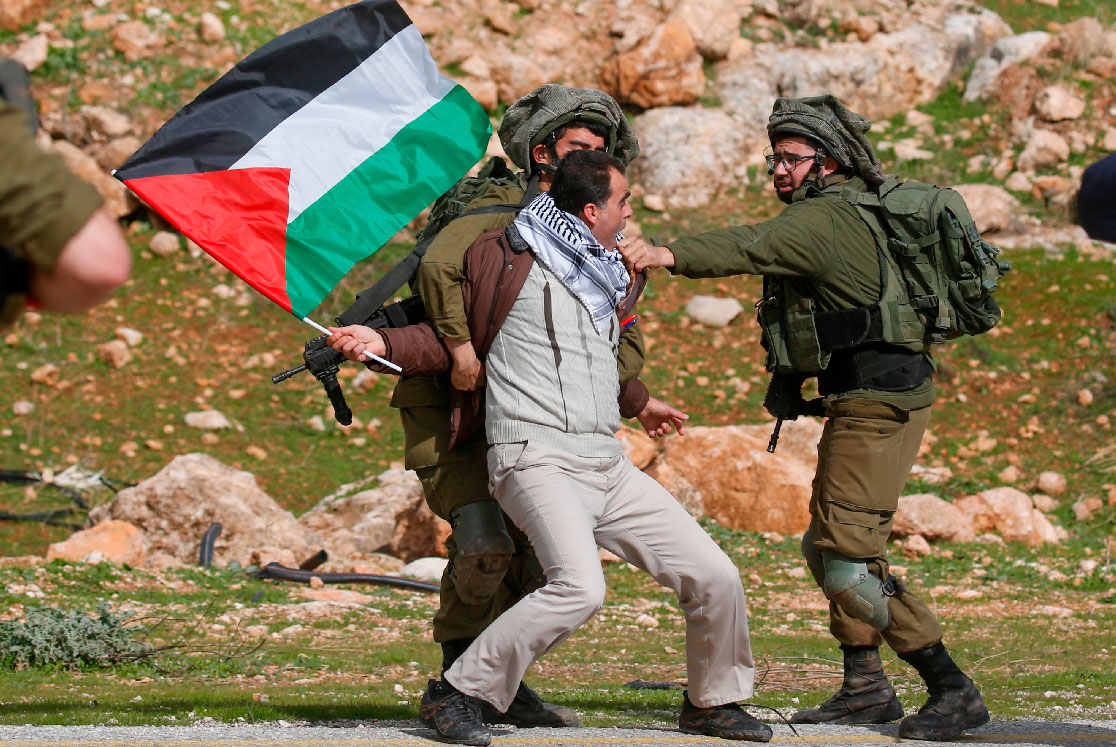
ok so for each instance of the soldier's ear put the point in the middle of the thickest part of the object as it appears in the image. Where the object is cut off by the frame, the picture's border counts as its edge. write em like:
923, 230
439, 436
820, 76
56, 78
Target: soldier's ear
540, 154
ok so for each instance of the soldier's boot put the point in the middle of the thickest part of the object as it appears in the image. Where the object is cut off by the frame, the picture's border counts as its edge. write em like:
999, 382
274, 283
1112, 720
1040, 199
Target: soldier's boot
866, 695
528, 709
955, 703
728, 721
455, 716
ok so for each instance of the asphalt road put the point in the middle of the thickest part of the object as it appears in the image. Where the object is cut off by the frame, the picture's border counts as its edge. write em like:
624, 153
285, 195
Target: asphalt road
410, 733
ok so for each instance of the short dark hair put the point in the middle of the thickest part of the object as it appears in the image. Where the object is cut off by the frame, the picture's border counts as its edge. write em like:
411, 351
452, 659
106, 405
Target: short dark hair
584, 177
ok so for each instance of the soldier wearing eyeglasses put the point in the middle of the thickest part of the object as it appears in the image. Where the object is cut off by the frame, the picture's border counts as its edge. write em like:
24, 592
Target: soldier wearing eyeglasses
818, 258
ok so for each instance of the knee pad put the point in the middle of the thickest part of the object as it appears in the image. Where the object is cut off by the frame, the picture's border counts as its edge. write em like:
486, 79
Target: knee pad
484, 551
850, 585
813, 557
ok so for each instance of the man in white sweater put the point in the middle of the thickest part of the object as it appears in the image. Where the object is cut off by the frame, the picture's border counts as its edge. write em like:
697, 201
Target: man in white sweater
558, 471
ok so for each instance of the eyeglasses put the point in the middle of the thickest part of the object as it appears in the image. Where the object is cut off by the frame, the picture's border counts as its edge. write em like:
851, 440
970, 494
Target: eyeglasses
789, 160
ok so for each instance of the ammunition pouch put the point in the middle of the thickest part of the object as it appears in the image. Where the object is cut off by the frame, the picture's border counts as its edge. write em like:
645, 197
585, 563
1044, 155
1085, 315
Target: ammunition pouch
849, 584
484, 551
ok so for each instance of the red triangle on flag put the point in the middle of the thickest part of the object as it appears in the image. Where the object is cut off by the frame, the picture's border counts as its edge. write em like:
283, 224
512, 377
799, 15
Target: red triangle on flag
238, 216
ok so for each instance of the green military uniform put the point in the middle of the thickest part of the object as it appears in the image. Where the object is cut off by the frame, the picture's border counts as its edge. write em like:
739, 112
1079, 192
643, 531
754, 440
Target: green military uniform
452, 479
42, 205
820, 249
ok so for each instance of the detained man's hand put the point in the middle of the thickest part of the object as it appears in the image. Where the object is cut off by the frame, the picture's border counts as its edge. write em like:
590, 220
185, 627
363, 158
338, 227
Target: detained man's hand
639, 255
353, 340
467, 374
657, 417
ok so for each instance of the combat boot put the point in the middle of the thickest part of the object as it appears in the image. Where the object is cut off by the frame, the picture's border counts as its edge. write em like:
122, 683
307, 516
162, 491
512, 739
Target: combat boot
453, 714
955, 703
528, 709
866, 696
728, 721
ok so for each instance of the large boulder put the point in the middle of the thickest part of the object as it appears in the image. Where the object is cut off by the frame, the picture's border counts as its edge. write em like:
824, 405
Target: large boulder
931, 517
118, 199
118, 542
992, 207
1008, 51
1058, 103
727, 474
16, 13
1011, 513
176, 506
391, 517
888, 74
714, 24
665, 69
1045, 149
688, 154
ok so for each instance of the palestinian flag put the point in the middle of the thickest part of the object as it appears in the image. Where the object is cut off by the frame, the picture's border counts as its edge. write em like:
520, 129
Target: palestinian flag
312, 152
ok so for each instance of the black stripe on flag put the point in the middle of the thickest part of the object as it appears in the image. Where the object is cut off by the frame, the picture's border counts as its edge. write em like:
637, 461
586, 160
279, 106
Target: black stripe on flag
223, 123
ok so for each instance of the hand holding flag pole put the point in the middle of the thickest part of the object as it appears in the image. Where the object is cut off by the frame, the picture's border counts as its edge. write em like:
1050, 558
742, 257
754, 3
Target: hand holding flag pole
373, 356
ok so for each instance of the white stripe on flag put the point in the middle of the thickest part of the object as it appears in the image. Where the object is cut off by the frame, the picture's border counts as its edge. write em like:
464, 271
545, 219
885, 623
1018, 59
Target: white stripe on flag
344, 125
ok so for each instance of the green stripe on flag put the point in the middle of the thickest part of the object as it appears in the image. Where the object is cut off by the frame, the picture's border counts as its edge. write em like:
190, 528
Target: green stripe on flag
365, 209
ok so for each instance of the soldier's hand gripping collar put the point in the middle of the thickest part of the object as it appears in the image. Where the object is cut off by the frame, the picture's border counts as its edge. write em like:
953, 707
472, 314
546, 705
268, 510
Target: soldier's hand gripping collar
826, 120
534, 117
484, 551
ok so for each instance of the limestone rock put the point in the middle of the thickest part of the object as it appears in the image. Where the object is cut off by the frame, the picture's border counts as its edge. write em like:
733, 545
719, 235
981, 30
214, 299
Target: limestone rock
118, 542
16, 13
115, 152
132, 337
1082, 39
929, 516
1057, 103
1018, 182
210, 28
485, 91
1009, 512
640, 448
105, 123
714, 24
713, 311
517, 75
164, 243
1052, 483
176, 507
115, 353
726, 474
208, 420
687, 154
1084, 509
916, 546
391, 516
134, 39
747, 91
665, 69
1045, 149
118, 200
1006, 52
425, 569
33, 52
798, 439
993, 208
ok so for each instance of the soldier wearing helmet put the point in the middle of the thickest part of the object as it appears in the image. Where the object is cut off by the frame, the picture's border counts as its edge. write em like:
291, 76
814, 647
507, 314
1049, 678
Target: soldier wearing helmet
491, 564
822, 267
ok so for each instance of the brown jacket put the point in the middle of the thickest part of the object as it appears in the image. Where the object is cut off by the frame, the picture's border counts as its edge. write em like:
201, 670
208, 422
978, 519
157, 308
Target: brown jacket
496, 266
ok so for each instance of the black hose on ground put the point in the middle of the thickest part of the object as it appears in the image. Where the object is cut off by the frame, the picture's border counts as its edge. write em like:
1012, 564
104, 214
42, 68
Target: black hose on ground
205, 557
282, 573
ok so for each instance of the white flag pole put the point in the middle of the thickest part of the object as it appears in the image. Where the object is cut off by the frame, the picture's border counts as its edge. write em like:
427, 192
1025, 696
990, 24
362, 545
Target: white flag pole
373, 356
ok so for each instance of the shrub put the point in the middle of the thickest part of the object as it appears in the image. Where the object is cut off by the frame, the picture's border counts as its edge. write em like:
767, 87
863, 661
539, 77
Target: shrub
69, 640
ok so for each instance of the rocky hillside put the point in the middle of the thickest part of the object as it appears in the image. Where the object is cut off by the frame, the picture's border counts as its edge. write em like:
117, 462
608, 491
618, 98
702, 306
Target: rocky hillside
1009, 100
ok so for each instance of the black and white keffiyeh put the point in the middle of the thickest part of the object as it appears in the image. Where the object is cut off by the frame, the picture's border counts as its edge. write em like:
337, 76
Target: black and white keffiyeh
563, 243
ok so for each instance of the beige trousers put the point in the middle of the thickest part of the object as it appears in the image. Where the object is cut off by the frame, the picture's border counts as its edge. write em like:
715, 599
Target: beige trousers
567, 506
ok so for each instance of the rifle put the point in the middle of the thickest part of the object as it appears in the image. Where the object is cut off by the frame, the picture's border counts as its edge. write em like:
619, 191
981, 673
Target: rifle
324, 362
784, 401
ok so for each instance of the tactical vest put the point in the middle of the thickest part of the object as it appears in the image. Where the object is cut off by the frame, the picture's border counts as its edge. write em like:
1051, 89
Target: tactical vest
799, 339
937, 277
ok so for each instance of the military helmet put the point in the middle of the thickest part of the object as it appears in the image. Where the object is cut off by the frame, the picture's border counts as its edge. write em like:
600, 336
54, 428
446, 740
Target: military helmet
536, 116
841, 131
